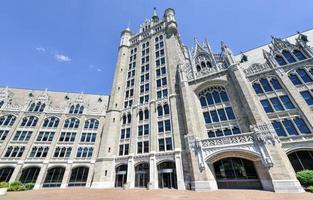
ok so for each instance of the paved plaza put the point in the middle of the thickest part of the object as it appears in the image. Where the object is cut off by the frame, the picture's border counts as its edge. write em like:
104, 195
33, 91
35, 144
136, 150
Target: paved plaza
137, 194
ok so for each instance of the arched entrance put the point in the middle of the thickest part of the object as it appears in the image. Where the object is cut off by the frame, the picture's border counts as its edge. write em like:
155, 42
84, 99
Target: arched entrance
6, 173
121, 175
142, 175
54, 177
167, 175
301, 160
79, 176
29, 174
236, 173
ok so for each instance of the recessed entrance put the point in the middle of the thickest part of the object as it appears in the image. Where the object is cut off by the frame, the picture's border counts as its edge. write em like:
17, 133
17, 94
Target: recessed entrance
54, 177
79, 176
236, 173
167, 175
121, 175
29, 175
142, 175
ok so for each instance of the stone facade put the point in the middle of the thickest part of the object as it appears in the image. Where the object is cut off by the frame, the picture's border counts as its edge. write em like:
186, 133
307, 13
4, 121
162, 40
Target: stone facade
185, 119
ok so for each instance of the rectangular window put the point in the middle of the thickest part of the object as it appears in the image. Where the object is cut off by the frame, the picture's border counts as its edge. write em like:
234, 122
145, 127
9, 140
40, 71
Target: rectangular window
307, 96
222, 114
291, 129
160, 127
3, 134
214, 116
161, 145
169, 145
22, 136
276, 104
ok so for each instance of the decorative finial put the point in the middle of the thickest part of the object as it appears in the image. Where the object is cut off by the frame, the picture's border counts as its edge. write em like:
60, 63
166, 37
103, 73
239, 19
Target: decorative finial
155, 17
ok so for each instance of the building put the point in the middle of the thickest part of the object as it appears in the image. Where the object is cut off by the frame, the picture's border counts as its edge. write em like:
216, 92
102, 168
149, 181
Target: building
50, 138
181, 118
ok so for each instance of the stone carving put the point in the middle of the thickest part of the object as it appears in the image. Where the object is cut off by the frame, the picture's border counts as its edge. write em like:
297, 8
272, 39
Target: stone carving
257, 68
264, 133
234, 139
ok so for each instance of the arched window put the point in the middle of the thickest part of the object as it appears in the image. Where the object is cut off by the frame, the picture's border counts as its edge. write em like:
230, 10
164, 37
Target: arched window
7, 120
163, 110
208, 64
37, 107
198, 68
29, 121
29, 175
51, 122
146, 112
79, 176
280, 60
76, 109
129, 118
299, 54
301, 160
265, 85
6, 173
91, 124
288, 56
210, 99
203, 65
124, 119
71, 123
54, 177
84, 152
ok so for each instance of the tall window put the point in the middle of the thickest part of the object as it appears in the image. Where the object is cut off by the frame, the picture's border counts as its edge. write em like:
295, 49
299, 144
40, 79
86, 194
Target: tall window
29, 121
161, 72
7, 120
91, 124
302, 78
14, 152
76, 109
37, 107
22, 136
217, 112
84, 152
62, 152
51, 122
71, 123
39, 152
274, 99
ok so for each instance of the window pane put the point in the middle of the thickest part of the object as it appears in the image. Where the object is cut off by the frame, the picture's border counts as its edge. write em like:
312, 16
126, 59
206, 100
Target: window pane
203, 101
224, 96
267, 106
307, 97
304, 75
222, 114
279, 128
209, 98
211, 134
216, 97
214, 116
275, 83
206, 116
280, 60
276, 104
294, 79
219, 133
286, 101
301, 125
290, 127
257, 88
266, 86
299, 54
230, 113
288, 56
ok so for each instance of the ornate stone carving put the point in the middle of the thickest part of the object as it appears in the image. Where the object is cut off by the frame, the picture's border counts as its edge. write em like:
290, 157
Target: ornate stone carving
264, 133
257, 68
234, 139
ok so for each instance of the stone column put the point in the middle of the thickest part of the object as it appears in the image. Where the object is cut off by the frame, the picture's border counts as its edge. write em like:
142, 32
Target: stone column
41, 176
153, 173
130, 173
67, 175
16, 172
179, 171
90, 175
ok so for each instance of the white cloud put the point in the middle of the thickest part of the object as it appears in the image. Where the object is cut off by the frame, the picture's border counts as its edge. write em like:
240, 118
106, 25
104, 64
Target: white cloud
40, 49
99, 70
62, 58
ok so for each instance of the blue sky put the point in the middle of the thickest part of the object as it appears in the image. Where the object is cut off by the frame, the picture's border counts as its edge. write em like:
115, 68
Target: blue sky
71, 45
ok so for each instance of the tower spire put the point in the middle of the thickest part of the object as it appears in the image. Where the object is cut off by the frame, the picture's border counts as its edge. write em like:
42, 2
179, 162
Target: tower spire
155, 17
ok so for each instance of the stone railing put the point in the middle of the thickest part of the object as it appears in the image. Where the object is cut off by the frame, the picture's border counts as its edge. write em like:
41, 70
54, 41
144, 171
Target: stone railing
243, 138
